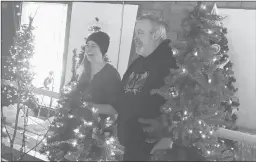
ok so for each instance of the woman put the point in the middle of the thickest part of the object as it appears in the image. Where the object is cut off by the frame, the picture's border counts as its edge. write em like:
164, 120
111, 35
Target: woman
98, 83
100, 80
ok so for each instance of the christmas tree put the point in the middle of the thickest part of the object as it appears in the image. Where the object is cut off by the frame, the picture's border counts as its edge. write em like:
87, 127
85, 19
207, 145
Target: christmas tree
78, 133
200, 93
17, 80
18, 72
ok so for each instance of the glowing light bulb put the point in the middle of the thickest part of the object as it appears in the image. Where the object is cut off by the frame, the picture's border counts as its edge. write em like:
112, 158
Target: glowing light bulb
87, 123
196, 54
209, 81
183, 70
211, 132
74, 143
200, 122
185, 112
174, 51
208, 152
94, 110
203, 136
203, 6
76, 130
71, 116
209, 31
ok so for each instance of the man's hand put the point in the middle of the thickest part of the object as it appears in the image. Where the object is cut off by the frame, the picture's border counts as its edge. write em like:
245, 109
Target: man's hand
154, 128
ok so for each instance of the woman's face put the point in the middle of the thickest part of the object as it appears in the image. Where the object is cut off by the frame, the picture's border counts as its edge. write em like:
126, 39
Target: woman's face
93, 52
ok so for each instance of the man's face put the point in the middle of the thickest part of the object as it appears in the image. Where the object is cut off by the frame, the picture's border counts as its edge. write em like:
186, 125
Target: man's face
143, 38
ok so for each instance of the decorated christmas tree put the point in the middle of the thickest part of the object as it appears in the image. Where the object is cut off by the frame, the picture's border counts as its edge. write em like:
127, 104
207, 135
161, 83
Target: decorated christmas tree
200, 93
78, 133
17, 79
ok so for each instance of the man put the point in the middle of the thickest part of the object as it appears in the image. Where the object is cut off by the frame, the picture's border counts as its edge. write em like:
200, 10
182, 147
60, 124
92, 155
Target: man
137, 106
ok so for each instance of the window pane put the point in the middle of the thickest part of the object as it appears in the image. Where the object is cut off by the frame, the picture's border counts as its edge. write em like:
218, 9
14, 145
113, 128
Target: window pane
110, 18
50, 26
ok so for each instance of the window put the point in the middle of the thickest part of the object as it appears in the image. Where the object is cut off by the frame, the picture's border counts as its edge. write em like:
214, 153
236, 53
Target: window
50, 25
115, 19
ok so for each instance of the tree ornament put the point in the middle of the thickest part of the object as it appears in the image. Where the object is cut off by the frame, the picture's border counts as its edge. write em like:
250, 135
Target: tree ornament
224, 30
96, 26
215, 10
216, 48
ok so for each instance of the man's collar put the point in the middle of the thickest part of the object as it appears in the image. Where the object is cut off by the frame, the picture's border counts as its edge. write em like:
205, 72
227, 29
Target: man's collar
162, 48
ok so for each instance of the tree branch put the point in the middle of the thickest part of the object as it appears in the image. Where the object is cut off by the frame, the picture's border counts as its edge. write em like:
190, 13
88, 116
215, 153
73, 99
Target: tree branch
16, 124
22, 150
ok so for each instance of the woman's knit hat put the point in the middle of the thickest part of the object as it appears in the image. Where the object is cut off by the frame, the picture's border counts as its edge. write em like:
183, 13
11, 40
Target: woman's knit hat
101, 39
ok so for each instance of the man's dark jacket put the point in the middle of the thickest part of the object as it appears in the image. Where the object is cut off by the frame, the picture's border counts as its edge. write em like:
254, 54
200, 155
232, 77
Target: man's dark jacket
136, 101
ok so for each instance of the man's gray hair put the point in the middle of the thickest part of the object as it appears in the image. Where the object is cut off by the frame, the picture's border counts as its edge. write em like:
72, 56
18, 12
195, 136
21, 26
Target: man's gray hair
162, 27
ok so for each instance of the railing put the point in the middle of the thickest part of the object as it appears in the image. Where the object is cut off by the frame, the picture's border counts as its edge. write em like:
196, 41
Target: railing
244, 139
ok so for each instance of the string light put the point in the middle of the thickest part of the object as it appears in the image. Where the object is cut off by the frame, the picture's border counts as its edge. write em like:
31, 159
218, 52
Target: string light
71, 116
174, 51
74, 143
88, 123
95, 110
209, 31
203, 6
76, 130
81, 135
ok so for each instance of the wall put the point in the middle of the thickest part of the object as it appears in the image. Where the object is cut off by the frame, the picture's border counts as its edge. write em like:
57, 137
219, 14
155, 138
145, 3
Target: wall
172, 11
110, 18
241, 42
